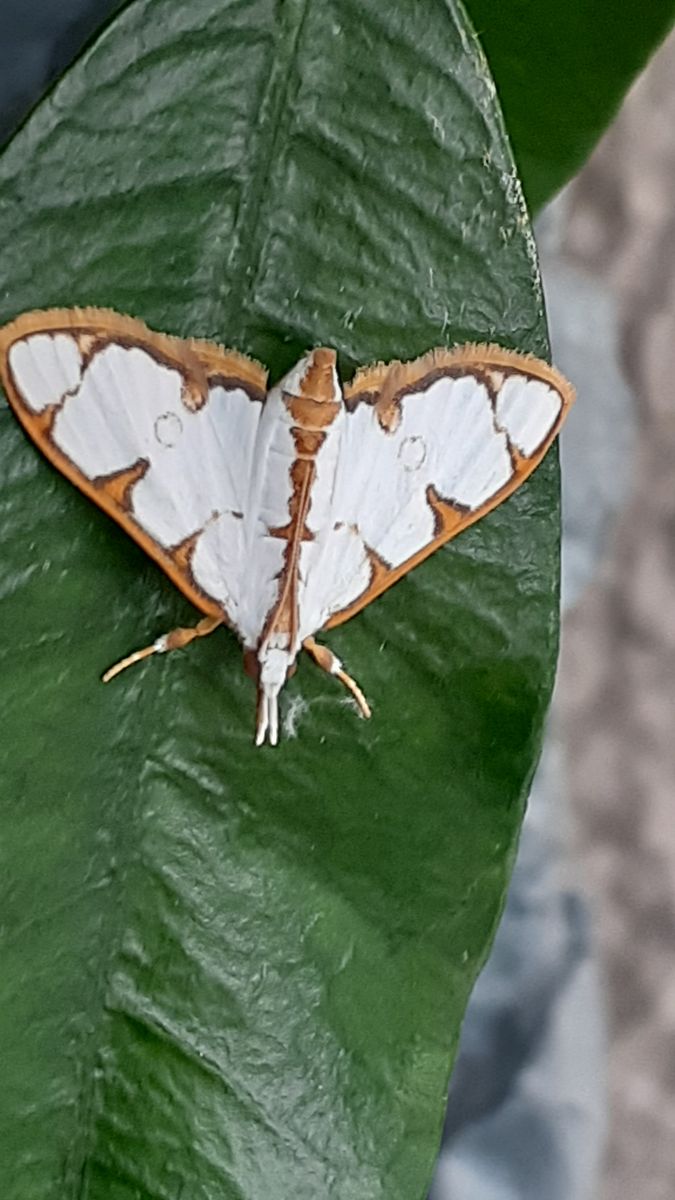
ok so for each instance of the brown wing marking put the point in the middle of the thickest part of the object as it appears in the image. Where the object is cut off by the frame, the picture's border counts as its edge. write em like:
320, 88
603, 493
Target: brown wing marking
44, 420
490, 364
182, 553
449, 520
113, 494
197, 361
230, 367
119, 486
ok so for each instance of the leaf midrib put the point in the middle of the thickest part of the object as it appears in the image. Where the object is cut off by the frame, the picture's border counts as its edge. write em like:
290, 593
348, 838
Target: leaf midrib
274, 110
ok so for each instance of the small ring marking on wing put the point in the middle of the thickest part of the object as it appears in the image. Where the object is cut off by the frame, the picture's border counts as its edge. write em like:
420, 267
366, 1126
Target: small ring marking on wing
168, 429
412, 453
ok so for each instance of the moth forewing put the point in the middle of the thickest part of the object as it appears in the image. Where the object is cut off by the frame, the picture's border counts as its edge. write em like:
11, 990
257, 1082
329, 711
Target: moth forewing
139, 422
460, 431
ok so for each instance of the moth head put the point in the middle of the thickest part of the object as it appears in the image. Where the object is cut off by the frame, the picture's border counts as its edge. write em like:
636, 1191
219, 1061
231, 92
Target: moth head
314, 378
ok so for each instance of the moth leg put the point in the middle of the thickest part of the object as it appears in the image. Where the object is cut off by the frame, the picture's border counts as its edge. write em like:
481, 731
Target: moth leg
331, 663
169, 641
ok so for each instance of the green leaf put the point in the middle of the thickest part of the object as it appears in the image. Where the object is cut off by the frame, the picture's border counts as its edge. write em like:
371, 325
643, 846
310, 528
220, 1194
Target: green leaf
230, 972
561, 71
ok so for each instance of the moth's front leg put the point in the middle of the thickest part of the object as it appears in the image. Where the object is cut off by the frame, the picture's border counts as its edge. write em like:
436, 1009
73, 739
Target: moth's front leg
331, 663
169, 641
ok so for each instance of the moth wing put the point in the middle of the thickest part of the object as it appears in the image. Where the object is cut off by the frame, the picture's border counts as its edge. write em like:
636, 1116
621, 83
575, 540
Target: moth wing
428, 447
158, 431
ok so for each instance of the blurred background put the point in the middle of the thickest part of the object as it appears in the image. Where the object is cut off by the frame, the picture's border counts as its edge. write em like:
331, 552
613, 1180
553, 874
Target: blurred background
565, 1084
616, 691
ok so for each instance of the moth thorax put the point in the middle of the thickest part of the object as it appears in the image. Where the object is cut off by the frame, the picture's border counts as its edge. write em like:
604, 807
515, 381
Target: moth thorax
311, 391
316, 377
319, 382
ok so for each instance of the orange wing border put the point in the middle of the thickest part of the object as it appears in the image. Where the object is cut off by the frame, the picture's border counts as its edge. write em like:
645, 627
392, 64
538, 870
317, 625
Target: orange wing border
382, 384
199, 362
471, 357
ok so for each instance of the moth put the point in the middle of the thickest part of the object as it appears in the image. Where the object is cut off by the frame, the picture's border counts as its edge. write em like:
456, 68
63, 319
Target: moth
277, 512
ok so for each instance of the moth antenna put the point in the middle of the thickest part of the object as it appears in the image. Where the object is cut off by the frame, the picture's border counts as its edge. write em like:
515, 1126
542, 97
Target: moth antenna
330, 662
130, 659
168, 641
356, 692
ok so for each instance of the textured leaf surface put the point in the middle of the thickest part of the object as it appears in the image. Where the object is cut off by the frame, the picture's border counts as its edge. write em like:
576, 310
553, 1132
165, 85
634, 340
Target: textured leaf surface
231, 973
561, 70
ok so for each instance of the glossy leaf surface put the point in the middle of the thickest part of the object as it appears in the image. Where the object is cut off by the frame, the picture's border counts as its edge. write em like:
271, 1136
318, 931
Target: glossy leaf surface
230, 972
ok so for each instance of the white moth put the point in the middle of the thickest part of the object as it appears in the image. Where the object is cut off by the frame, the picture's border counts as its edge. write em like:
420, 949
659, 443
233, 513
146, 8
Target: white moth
281, 512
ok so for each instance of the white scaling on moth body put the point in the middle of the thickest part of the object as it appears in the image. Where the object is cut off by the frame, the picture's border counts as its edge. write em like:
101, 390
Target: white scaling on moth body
412, 453
168, 429
295, 711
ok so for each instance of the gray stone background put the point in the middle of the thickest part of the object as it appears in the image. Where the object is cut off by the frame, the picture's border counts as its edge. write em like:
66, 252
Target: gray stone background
616, 690
565, 1085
